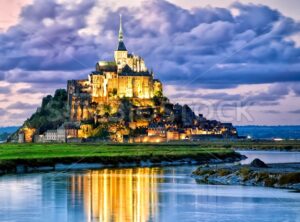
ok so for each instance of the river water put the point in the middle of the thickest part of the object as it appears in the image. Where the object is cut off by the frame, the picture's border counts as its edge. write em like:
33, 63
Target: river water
142, 194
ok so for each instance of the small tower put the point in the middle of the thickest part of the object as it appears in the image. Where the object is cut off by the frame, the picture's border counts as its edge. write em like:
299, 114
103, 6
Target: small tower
121, 53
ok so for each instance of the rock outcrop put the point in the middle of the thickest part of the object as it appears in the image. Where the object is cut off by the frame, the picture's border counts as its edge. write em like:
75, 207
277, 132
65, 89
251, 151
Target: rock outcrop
275, 175
258, 163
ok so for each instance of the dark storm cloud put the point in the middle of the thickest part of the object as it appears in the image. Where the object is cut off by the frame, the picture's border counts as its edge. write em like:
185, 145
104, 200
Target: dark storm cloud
32, 45
257, 18
203, 47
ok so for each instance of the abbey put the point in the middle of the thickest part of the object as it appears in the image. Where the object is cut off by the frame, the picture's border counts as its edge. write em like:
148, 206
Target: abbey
125, 77
119, 101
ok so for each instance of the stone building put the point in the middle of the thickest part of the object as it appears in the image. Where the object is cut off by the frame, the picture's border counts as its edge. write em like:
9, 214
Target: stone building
26, 135
21, 138
61, 135
126, 76
157, 129
51, 136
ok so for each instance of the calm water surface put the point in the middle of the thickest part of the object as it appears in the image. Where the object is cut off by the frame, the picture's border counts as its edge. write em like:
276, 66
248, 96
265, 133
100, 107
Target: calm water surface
139, 194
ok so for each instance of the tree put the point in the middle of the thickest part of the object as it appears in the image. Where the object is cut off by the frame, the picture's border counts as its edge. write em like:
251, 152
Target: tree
53, 112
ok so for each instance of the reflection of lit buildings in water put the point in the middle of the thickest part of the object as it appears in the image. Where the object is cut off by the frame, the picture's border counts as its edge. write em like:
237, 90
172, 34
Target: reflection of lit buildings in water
118, 195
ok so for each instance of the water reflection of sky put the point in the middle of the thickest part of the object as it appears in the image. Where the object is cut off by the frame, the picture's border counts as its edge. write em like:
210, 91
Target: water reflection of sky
140, 194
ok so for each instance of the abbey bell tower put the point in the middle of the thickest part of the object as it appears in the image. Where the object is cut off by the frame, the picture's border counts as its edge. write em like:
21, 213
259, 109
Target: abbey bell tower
121, 53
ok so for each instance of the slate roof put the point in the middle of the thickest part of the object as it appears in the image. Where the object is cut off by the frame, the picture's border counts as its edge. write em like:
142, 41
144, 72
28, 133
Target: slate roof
127, 71
121, 46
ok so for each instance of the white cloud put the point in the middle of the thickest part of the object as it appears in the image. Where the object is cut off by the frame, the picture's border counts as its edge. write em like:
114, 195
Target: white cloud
48, 22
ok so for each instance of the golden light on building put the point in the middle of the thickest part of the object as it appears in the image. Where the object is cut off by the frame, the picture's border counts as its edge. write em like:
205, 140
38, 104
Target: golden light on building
118, 195
172, 135
27, 134
85, 131
125, 76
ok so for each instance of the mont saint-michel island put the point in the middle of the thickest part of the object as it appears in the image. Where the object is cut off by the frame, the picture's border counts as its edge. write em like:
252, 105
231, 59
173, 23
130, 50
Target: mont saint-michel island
121, 101
118, 115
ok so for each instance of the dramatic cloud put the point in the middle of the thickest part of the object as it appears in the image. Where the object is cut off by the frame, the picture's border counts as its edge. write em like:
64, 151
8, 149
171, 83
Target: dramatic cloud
199, 46
271, 96
20, 116
22, 106
207, 48
49, 77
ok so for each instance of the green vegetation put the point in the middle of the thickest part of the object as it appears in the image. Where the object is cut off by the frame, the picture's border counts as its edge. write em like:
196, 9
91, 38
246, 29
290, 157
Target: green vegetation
245, 173
224, 172
51, 114
270, 181
262, 176
285, 145
201, 172
12, 155
31, 151
290, 178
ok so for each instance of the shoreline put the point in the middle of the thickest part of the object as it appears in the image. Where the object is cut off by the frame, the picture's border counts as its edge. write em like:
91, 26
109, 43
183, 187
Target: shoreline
275, 175
67, 164
22, 158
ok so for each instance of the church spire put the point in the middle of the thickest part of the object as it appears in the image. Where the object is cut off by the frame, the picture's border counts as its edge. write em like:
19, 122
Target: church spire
120, 30
121, 45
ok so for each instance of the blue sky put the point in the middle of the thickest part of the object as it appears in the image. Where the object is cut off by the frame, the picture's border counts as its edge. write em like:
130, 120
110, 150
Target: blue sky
233, 61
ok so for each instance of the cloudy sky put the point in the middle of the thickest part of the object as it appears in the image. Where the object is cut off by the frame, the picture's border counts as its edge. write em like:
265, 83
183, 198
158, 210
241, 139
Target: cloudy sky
236, 61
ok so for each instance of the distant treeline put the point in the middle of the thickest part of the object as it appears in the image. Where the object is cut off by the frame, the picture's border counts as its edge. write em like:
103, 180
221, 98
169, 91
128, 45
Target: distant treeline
4, 136
6, 131
270, 132
9, 129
